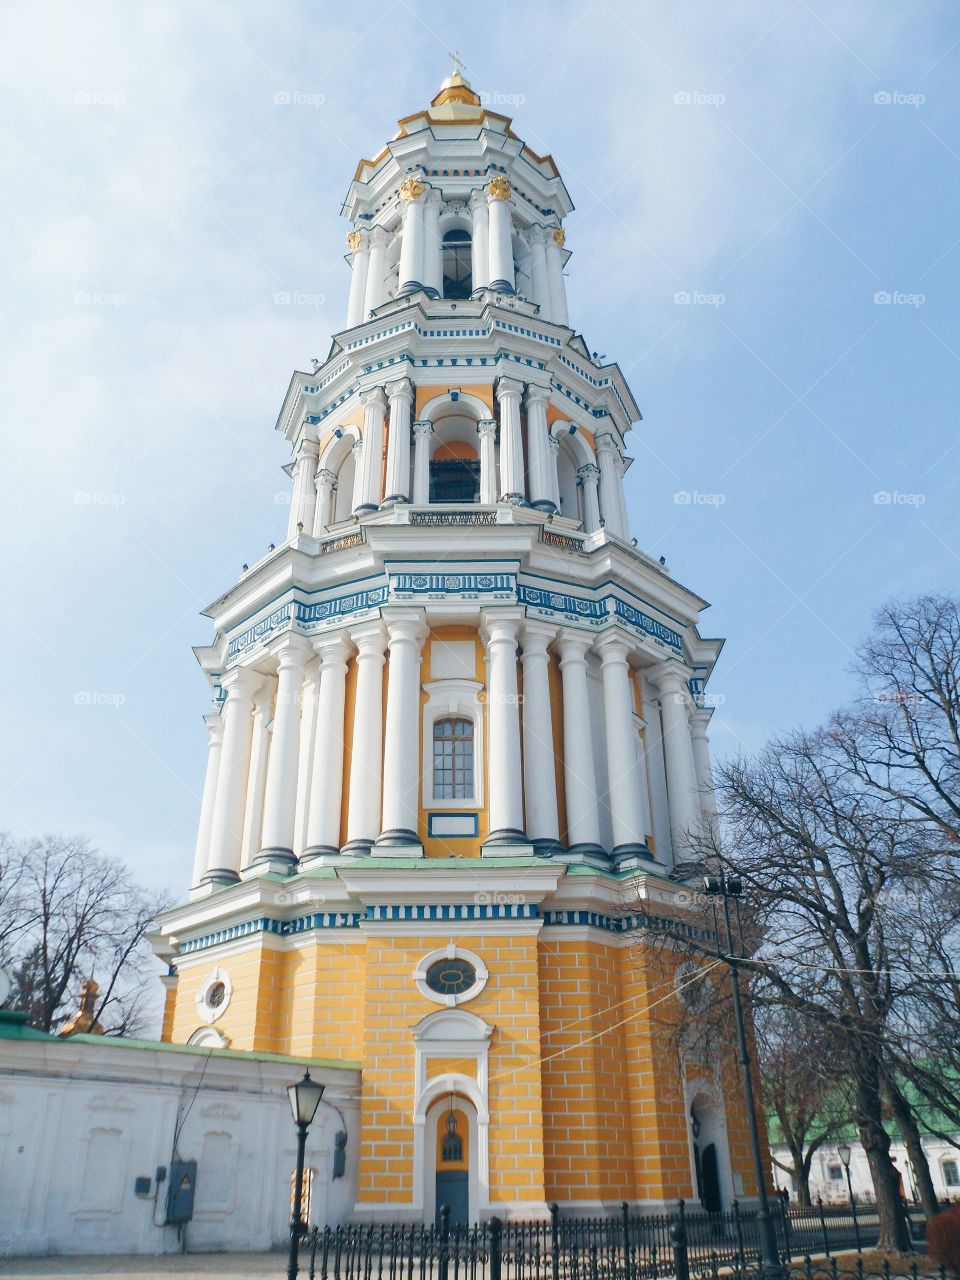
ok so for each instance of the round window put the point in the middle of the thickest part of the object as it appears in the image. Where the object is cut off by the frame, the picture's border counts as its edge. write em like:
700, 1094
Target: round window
216, 994
451, 976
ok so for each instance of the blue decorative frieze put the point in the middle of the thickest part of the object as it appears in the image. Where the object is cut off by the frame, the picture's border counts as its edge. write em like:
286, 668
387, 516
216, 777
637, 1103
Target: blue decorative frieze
560, 602
638, 618
638, 923
280, 928
276, 621
453, 911
453, 583
323, 610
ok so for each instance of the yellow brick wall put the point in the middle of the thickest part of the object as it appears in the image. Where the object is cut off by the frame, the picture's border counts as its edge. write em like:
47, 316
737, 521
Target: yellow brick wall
250, 1020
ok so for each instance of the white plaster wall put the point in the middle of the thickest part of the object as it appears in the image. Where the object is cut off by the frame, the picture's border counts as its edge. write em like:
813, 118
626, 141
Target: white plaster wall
939, 1154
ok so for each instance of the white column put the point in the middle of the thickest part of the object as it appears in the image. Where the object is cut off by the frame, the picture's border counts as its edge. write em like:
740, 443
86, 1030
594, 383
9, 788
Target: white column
487, 431
304, 494
356, 453
558, 291
701, 760
366, 741
257, 776
411, 236
500, 264
479, 240
539, 279
624, 520
375, 292
401, 751
280, 796
678, 756
587, 478
422, 431
505, 805
553, 471
511, 441
432, 246
226, 828
643, 780
539, 774
656, 768
397, 482
623, 782
326, 780
214, 747
308, 730
541, 490
608, 457
359, 264
326, 488
374, 410
579, 774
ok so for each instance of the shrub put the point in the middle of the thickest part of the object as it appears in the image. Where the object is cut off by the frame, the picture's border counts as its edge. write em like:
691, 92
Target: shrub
943, 1239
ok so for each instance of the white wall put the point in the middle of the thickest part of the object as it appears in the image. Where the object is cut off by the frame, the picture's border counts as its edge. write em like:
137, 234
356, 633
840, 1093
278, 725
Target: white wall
939, 1155
80, 1120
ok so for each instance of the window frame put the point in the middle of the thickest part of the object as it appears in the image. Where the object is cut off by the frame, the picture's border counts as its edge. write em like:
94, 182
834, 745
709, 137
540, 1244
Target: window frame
457, 699
457, 759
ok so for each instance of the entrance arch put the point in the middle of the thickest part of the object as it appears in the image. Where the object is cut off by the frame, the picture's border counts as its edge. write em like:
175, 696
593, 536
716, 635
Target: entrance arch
451, 1171
712, 1177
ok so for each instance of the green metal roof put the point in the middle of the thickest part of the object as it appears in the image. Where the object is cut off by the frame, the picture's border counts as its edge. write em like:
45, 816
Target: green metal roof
13, 1026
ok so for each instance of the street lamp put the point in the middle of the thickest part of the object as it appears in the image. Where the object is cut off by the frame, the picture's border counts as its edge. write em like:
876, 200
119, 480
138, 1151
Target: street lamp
844, 1152
726, 887
304, 1098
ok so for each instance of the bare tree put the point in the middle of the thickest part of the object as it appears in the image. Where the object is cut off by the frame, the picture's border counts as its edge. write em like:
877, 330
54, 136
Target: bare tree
77, 915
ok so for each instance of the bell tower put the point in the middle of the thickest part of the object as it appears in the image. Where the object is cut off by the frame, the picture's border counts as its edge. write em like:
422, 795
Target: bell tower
458, 735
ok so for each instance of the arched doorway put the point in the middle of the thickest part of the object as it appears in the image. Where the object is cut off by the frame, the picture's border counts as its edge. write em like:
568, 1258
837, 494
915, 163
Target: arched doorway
451, 1173
708, 1140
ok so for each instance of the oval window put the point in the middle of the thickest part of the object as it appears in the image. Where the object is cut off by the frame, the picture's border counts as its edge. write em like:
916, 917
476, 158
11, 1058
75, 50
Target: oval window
451, 977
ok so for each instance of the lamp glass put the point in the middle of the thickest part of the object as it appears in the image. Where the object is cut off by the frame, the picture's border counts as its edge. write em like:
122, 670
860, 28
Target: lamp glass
844, 1152
304, 1099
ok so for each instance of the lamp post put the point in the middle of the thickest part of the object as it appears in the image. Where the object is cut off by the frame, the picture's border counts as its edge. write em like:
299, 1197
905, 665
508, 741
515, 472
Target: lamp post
304, 1098
726, 887
844, 1152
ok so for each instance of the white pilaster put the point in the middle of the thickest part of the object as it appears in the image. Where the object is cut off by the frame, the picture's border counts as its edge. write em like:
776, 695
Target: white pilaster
701, 760
432, 246
502, 276
326, 488
683, 799
538, 462
411, 237
608, 458
375, 292
558, 291
359, 264
374, 411
214, 749
308, 731
366, 741
503, 726
304, 495
397, 482
257, 776
422, 431
623, 782
587, 478
326, 780
401, 752
357, 454
553, 469
512, 489
280, 797
579, 773
539, 774
539, 279
479, 241
226, 829
487, 431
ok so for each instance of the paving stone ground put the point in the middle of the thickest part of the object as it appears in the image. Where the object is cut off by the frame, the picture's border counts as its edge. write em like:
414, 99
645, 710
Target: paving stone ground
202, 1266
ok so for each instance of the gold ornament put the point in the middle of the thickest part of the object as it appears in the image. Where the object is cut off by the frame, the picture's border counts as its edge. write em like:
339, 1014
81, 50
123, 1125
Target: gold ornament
559, 237
411, 189
499, 188
353, 240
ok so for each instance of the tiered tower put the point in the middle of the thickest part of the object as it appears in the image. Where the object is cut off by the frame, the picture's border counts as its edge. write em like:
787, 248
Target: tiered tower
458, 733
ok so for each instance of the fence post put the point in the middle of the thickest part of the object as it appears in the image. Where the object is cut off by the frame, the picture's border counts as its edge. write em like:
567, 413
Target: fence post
678, 1238
823, 1226
625, 1213
496, 1234
443, 1252
555, 1239
738, 1224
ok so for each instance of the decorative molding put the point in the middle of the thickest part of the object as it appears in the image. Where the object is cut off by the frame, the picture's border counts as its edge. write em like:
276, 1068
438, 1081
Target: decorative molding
434, 519
498, 188
411, 189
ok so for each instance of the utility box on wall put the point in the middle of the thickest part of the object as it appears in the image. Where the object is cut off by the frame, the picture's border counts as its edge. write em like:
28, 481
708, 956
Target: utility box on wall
180, 1193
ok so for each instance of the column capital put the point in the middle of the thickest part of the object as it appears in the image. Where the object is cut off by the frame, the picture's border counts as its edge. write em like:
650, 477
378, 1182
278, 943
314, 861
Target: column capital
573, 646
588, 472
400, 387
507, 387
614, 646
214, 723
241, 683
370, 639
498, 188
292, 650
411, 189
309, 446
373, 395
486, 426
552, 442
699, 721
669, 677
498, 625
405, 624
333, 649
606, 442
423, 427
357, 449
356, 240
536, 636
377, 237
478, 198
536, 394
326, 476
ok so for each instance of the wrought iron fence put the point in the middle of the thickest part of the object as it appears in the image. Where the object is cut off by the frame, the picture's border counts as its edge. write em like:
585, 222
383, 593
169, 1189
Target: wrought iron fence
629, 1246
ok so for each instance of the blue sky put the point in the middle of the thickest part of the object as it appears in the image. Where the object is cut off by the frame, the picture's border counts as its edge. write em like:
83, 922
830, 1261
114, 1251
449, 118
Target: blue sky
778, 163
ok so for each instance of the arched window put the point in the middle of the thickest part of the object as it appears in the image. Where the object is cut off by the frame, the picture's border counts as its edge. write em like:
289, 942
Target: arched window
453, 758
457, 264
455, 473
